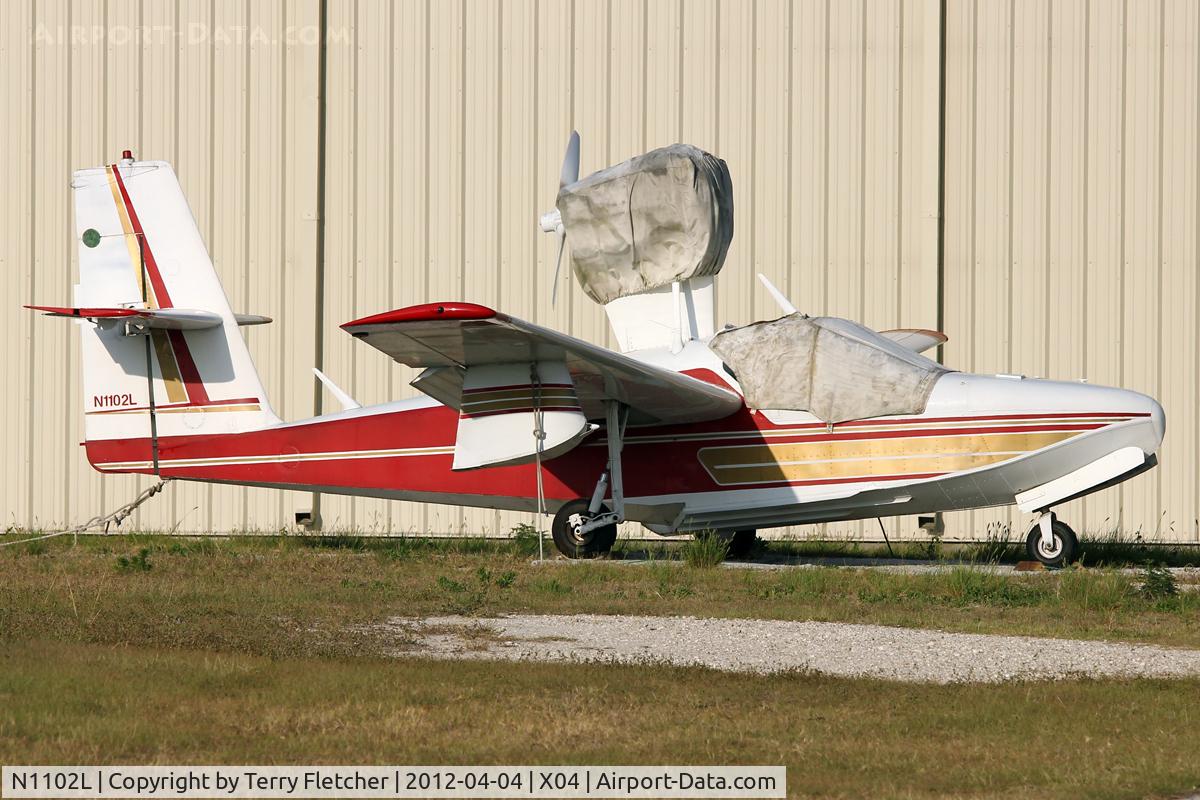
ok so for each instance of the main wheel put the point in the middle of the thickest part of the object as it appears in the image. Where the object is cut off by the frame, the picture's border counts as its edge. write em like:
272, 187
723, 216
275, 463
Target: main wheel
573, 544
1062, 550
741, 543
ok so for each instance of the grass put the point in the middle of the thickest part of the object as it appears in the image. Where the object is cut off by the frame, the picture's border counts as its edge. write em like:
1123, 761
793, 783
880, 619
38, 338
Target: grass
66, 703
261, 651
154, 591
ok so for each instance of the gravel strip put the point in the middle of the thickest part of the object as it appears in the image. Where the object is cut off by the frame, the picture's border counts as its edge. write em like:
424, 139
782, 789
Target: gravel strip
770, 646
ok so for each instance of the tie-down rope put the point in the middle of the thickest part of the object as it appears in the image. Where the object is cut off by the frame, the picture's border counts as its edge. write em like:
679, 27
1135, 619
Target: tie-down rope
539, 437
118, 516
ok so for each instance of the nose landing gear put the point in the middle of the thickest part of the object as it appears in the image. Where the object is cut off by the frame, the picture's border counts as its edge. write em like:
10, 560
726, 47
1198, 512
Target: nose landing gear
1051, 541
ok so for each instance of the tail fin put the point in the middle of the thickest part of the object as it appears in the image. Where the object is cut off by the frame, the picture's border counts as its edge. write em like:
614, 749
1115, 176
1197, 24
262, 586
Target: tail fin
139, 248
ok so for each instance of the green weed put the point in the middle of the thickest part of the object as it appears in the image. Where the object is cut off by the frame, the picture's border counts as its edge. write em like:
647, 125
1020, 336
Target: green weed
705, 550
139, 562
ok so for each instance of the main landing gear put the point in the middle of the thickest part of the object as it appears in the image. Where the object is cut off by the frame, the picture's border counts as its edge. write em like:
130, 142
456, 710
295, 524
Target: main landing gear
585, 528
741, 543
1052, 541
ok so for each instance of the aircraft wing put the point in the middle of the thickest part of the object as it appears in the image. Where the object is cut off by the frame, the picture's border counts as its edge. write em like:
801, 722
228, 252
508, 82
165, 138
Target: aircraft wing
447, 338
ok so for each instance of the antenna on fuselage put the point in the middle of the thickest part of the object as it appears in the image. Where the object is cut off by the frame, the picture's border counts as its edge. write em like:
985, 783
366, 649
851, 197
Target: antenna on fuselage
784, 303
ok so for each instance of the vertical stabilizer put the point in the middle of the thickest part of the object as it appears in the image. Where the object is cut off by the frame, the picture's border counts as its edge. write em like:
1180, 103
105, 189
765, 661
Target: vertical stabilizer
139, 248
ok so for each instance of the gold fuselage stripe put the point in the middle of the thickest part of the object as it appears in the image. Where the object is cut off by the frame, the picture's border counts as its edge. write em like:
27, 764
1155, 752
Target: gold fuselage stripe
802, 461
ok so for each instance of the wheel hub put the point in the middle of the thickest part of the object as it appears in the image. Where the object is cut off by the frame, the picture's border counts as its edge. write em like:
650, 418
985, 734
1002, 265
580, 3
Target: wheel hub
575, 523
1051, 549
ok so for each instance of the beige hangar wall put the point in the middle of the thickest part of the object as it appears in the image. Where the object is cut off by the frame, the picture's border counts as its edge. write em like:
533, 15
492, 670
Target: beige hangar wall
1064, 256
1071, 220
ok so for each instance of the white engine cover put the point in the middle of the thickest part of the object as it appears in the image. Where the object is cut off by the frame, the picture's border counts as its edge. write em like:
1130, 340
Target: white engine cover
498, 421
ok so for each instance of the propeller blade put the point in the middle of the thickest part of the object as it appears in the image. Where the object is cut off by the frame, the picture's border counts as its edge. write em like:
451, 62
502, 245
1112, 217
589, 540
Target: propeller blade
562, 243
570, 165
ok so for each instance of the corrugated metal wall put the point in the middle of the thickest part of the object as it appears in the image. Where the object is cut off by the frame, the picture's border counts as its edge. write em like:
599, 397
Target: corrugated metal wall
446, 123
1072, 163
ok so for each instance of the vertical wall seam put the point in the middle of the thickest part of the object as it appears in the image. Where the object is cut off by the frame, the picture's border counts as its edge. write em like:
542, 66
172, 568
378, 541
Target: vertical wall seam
1085, 213
30, 414
1049, 217
941, 179
1195, 279
679, 81
1012, 172
899, 269
391, 203
570, 298
279, 393
105, 150
319, 293
141, 71
1086, 136
1121, 215
717, 85
460, 512
175, 109
245, 493
1158, 367
212, 178
535, 161
462, 147
753, 155
69, 340
353, 226
608, 82
791, 103
974, 184
425, 510
825, 173
646, 69
499, 175
862, 163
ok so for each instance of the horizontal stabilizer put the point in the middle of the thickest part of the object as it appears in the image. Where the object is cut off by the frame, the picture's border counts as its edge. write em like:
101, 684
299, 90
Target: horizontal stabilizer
251, 319
178, 319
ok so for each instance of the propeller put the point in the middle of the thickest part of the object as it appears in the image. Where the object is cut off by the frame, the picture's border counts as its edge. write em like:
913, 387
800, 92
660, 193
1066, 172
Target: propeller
551, 221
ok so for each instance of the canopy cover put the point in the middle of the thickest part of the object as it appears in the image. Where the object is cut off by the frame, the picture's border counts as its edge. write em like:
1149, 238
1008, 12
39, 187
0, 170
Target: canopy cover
833, 368
661, 217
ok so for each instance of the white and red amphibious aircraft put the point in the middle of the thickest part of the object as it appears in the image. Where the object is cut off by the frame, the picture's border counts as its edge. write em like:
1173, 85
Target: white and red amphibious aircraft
689, 428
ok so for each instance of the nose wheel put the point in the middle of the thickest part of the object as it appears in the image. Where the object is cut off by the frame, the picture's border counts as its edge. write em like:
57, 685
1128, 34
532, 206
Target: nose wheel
1052, 542
574, 538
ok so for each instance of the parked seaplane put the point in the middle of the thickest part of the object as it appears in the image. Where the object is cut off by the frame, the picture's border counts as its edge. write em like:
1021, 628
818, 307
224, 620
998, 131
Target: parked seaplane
689, 428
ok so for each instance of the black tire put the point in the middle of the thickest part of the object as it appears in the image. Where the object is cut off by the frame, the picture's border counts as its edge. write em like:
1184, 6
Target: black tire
591, 544
1066, 545
741, 544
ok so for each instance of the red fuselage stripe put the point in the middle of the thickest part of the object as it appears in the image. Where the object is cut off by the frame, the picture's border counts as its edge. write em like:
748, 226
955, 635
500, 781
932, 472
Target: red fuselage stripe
410, 451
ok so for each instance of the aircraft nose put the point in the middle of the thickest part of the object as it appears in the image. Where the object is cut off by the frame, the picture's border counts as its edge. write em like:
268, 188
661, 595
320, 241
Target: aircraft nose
1145, 404
1159, 418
